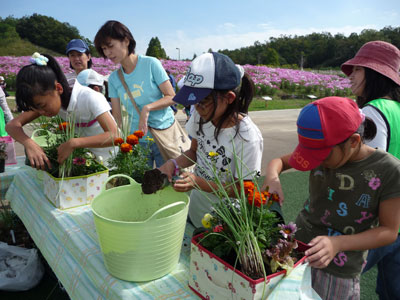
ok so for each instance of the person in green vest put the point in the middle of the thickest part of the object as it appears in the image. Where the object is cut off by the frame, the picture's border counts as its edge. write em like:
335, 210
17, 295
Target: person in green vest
375, 80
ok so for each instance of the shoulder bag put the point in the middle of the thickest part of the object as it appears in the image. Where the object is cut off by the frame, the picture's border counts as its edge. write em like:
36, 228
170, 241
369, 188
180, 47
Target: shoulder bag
171, 141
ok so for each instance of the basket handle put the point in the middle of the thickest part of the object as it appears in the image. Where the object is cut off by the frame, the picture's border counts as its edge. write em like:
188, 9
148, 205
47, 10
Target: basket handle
165, 208
37, 130
131, 181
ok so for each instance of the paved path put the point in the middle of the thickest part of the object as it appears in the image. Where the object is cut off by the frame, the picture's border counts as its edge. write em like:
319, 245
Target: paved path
278, 128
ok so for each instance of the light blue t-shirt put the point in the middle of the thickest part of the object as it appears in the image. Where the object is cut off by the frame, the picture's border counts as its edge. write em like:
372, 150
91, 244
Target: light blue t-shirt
143, 83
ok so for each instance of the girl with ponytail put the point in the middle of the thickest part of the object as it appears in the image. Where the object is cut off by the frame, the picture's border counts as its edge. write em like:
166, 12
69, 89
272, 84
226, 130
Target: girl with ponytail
42, 90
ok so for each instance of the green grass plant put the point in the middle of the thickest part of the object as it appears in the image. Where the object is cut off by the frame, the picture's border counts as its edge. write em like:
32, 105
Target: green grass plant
260, 104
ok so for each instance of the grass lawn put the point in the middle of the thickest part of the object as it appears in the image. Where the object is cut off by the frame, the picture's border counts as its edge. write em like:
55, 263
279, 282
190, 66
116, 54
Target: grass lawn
261, 104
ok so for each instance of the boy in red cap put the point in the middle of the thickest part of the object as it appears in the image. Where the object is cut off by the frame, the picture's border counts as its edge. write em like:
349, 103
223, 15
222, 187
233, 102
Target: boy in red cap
351, 185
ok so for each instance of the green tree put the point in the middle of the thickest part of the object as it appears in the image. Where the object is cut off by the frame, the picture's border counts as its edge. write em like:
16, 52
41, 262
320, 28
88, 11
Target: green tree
47, 32
7, 34
154, 49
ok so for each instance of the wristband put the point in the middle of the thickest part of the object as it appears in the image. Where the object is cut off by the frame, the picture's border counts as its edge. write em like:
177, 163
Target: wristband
176, 171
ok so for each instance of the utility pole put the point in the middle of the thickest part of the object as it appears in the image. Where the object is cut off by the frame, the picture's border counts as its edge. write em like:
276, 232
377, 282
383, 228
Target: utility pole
179, 53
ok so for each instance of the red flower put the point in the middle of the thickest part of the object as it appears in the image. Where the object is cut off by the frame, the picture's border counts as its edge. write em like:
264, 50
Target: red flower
126, 147
63, 126
275, 197
118, 141
139, 133
218, 228
132, 139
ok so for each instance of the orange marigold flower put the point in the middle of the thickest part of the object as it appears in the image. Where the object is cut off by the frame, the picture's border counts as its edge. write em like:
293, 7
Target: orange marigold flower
132, 139
118, 141
248, 186
139, 133
125, 147
259, 199
63, 126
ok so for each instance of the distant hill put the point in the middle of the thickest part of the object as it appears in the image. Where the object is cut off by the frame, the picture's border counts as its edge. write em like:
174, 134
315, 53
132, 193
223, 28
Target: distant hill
20, 47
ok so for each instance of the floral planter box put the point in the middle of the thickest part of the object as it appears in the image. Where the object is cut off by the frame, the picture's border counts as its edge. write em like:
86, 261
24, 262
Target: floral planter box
212, 278
73, 191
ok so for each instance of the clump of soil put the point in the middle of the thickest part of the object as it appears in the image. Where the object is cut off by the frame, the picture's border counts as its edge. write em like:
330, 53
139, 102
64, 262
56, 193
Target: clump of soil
153, 180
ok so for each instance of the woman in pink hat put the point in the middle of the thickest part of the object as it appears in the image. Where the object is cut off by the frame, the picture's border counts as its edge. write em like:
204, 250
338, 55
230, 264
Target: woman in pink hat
375, 80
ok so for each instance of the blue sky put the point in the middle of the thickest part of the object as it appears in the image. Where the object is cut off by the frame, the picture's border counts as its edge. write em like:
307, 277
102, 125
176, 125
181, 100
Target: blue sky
196, 26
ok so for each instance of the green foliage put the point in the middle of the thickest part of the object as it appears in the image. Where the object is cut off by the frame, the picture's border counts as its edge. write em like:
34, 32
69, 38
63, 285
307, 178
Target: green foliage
47, 32
154, 49
7, 33
319, 50
80, 162
132, 163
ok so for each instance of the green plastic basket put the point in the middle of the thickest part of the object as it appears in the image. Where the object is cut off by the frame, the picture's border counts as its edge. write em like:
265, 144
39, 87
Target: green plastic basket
140, 235
41, 140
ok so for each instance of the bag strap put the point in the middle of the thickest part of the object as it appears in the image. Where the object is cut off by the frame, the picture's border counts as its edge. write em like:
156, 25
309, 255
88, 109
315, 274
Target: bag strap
121, 78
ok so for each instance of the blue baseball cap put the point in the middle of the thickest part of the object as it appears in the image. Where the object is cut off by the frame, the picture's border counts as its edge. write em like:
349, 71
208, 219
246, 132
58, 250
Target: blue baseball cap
207, 72
77, 45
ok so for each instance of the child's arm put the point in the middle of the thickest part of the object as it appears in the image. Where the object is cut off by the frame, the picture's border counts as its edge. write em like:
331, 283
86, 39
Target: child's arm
166, 101
185, 160
116, 110
325, 248
37, 157
105, 139
274, 168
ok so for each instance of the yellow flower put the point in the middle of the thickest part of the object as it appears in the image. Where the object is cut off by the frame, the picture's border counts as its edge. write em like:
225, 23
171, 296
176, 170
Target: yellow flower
212, 154
88, 163
149, 139
206, 221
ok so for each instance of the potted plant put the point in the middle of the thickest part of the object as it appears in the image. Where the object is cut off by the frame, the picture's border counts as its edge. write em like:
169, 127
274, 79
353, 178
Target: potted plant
131, 159
3, 156
79, 178
247, 248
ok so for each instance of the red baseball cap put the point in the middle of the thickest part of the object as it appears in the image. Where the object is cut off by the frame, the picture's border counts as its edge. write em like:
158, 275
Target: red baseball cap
321, 125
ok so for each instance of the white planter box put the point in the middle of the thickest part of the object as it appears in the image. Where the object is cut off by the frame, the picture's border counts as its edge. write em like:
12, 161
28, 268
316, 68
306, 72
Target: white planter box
212, 278
73, 191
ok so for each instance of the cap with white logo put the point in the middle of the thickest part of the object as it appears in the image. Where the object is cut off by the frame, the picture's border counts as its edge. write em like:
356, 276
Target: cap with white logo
208, 72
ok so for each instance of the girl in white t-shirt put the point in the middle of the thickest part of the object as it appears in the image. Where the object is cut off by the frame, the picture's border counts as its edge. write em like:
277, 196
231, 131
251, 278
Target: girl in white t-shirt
42, 90
221, 93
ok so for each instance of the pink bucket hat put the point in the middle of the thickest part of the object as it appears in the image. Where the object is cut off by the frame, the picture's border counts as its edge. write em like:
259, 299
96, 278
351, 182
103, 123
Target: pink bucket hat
379, 56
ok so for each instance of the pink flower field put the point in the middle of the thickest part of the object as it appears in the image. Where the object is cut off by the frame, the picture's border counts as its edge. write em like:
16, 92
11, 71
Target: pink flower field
267, 80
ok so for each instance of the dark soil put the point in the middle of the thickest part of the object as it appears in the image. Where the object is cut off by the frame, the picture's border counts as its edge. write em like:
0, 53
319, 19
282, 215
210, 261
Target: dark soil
21, 235
153, 180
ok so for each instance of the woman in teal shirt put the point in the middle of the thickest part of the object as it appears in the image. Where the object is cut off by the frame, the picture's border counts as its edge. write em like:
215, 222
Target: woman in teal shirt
146, 79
